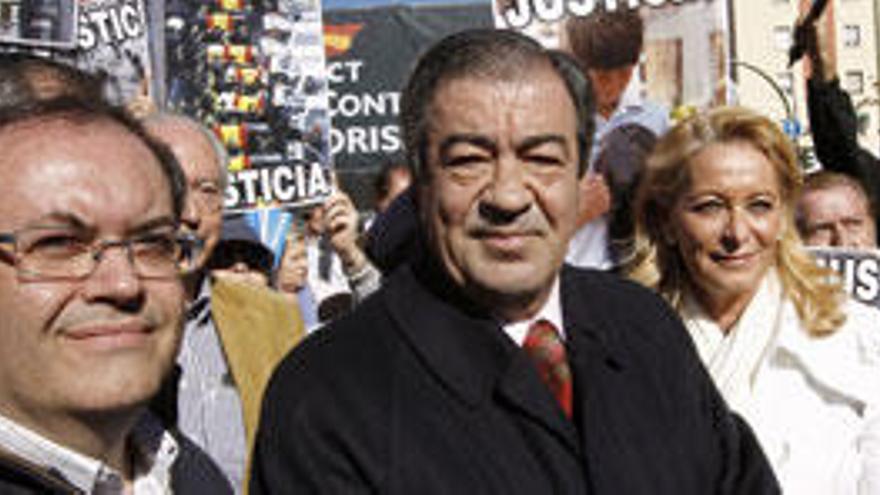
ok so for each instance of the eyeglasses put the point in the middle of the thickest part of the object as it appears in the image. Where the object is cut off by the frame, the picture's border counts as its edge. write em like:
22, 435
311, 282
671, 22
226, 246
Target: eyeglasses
45, 253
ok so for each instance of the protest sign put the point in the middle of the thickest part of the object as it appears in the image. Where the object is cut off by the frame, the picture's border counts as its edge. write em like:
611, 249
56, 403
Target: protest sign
109, 38
684, 62
113, 40
371, 47
859, 271
272, 226
254, 73
39, 23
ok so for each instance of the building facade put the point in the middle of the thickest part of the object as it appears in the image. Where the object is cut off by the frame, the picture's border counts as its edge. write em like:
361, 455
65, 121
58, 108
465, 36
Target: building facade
761, 35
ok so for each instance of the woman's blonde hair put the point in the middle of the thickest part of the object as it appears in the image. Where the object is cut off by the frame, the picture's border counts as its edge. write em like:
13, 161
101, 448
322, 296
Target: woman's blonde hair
657, 263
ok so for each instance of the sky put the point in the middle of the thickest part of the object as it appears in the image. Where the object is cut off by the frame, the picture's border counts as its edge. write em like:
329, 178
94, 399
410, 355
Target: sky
336, 4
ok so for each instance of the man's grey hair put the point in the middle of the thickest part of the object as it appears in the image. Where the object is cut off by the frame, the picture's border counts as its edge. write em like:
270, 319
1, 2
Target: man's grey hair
171, 118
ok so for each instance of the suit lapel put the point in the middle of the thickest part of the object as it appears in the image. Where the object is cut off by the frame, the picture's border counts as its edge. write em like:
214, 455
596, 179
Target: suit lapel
461, 348
522, 389
593, 360
470, 354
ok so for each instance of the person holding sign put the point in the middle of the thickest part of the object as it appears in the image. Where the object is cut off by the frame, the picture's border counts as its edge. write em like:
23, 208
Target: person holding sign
715, 235
339, 273
487, 367
291, 276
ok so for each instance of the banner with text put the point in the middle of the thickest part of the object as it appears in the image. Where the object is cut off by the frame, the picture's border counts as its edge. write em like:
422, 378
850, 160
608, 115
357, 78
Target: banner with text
859, 271
109, 38
254, 73
370, 52
684, 61
39, 23
113, 39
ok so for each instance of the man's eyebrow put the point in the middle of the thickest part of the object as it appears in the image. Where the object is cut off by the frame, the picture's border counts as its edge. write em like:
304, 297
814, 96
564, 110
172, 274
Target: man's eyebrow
541, 139
59, 219
477, 140
155, 223
63, 219
820, 225
199, 181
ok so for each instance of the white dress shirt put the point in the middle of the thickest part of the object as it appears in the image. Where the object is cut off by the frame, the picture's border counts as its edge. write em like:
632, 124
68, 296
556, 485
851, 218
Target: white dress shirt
153, 450
551, 311
811, 401
209, 406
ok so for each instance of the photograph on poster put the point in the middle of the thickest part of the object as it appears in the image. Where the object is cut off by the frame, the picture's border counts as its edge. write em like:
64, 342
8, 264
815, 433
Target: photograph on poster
254, 72
684, 59
113, 40
39, 23
365, 83
361, 4
109, 38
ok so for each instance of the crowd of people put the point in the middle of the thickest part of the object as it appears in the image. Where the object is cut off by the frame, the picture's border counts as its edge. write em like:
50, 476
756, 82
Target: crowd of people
561, 291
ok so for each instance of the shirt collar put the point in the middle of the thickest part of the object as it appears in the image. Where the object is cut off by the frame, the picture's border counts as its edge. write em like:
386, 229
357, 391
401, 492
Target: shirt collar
551, 311
154, 450
199, 309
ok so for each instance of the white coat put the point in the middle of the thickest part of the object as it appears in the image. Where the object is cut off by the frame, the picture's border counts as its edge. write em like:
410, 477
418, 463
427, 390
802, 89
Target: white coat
813, 401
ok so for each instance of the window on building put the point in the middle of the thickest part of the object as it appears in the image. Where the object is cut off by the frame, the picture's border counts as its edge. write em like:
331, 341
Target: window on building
852, 35
8, 19
854, 81
782, 37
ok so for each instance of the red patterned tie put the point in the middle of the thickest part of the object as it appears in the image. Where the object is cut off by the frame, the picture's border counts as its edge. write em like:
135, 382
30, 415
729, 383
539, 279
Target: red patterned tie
547, 351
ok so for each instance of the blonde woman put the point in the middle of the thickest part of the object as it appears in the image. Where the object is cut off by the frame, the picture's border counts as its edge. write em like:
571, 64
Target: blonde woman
715, 236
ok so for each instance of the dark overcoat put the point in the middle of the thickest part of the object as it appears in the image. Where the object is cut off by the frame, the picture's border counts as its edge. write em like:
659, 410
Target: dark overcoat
415, 393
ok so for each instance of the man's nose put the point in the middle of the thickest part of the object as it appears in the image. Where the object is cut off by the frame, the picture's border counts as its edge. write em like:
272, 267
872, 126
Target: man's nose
114, 279
191, 216
840, 236
507, 195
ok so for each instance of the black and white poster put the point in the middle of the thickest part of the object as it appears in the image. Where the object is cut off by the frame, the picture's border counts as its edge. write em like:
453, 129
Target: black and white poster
371, 47
253, 71
39, 23
859, 271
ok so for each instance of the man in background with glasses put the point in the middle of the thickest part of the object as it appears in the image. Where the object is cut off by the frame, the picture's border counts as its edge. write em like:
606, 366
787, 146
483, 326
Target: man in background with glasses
91, 298
233, 335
